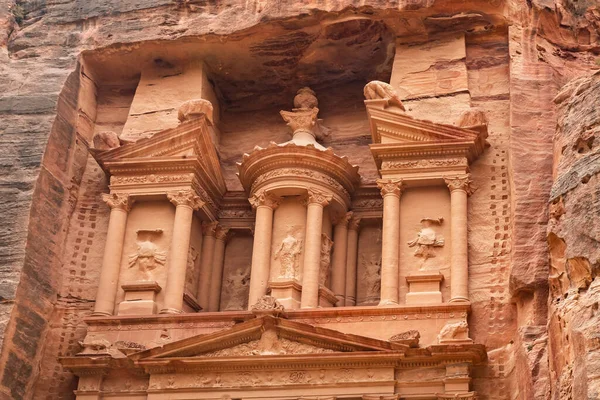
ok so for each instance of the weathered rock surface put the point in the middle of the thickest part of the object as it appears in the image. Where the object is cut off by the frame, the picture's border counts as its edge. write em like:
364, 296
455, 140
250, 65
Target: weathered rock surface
574, 242
53, 224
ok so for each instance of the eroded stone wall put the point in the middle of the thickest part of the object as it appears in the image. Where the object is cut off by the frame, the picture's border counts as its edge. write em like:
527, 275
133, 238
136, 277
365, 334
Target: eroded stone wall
52, 239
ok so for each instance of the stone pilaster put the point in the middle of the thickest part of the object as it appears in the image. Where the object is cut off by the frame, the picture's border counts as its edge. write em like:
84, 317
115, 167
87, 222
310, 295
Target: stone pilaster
460, 189
351, 261
265, 204
338, 258
221, 237
120, 205
390, 269
185, 201
209, 231
316, 202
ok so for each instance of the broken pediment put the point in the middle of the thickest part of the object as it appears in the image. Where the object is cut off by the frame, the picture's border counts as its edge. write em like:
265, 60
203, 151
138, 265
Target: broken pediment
407, 141
179, 158
268, 336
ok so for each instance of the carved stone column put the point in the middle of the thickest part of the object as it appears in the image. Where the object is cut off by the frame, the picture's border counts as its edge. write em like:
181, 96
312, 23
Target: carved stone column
338, 258
351, 260
221, 237
459, 257
390, 190
185, 201
120, 205
265, 204
316, 201
209, 230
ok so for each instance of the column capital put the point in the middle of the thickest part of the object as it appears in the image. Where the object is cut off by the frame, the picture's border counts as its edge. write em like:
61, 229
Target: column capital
210, 228
390, 186
122, 201
318, 197
354, 223
222, 233
343, 219
264, 199
460, 182
185, 198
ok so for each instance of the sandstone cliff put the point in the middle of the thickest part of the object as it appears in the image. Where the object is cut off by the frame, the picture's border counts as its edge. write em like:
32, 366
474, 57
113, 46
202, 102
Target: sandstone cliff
543, 338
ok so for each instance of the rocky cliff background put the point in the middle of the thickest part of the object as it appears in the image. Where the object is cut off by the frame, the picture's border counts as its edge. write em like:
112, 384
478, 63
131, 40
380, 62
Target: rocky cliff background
49, 187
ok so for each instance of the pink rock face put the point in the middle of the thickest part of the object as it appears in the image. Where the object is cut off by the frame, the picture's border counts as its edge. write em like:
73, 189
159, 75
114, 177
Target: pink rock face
106, 140
75, 73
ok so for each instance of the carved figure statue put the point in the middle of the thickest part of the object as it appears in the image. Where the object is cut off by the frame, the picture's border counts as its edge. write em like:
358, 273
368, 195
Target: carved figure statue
427, 238
288, 254
326, 244
371, 276
148, 257
454, 330
237, 284
380, 90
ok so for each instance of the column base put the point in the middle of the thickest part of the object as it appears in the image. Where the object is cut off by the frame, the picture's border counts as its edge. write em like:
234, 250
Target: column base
424, 288
101, 314
459, 300
140, 298
170, 311
288, 293
388, 303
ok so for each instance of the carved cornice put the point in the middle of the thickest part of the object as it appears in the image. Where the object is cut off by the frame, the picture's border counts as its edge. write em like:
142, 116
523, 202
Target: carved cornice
461, 182
121, 201
209, 228
315, 196
185, 198
390, 186
264, 199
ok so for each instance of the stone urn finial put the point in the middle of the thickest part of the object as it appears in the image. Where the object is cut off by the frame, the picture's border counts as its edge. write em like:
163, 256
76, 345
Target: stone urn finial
306, 99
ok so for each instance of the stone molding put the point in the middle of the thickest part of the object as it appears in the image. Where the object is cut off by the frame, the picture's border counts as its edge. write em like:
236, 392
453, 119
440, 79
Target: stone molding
390, 186
122, 201
185, 198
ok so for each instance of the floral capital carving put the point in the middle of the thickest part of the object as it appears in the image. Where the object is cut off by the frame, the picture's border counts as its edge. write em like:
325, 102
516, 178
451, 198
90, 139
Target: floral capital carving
120, 201
461, 182
344, 219
222, 233
185, 198
264, 199
390, 186
209, 228
302, 120
354, 223
318, 197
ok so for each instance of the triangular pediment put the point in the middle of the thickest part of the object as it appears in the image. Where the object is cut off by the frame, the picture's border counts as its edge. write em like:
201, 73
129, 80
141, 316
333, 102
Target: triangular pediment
268, 336
399, 136
188, 143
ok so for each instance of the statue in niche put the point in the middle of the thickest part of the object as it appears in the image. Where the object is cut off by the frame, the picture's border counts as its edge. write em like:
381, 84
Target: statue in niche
326, 244
237, 284
190, 271
288, 254
371, 276
427, 239
148, 257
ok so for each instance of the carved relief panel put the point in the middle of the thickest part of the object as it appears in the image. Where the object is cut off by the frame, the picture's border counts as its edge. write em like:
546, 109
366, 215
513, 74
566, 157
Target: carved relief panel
425, 235
236, 272
146, 246
368, 268
287, 248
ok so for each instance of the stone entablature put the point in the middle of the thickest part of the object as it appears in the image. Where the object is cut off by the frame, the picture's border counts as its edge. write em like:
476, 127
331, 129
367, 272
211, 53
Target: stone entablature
277, 356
